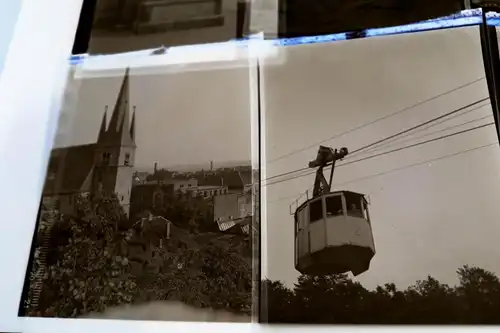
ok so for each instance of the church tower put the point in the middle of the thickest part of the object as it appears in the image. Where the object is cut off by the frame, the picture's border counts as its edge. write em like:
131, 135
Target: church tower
115, 150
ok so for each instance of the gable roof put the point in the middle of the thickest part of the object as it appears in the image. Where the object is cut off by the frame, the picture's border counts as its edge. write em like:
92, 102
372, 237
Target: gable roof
69, 170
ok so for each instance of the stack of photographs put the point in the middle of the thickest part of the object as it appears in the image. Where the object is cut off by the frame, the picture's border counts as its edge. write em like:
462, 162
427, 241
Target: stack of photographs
330, 181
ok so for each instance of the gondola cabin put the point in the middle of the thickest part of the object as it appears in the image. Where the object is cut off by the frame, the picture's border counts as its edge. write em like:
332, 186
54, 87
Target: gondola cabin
333, 234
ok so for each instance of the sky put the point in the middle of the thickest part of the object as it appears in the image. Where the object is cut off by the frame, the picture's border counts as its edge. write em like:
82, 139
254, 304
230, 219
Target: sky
182, 118
428, 219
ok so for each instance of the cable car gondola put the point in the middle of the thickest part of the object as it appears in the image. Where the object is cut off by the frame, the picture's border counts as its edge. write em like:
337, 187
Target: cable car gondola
332, 229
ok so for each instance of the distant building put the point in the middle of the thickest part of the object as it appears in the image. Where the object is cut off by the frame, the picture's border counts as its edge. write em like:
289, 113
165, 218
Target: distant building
154, 195
140, 177
105, 166
208, 191
233, 209
150, 196
180, 184
236, 181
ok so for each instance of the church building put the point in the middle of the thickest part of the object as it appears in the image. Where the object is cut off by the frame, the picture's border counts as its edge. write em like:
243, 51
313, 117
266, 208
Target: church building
106, 165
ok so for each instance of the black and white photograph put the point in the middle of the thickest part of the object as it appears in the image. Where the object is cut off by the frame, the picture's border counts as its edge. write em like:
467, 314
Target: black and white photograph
380, 182
148, 206
132, 25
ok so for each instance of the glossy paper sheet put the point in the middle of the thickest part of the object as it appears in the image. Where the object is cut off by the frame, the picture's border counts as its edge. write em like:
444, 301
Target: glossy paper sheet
146, 201
408, 227
190, 110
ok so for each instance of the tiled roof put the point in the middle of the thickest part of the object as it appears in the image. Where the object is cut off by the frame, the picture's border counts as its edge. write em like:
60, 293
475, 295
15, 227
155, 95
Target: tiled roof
70, 169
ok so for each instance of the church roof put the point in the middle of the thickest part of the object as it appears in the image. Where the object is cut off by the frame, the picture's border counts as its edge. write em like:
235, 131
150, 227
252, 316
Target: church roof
70, 170
120, 129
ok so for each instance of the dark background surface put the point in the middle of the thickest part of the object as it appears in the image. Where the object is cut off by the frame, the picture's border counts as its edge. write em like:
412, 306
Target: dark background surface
309, 18
319, 17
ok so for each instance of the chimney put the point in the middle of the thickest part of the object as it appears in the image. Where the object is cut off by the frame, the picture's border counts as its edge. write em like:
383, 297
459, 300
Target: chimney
211, 165
156, 167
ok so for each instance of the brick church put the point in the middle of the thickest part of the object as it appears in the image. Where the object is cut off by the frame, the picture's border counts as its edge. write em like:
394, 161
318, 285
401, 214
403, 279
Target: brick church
106, 165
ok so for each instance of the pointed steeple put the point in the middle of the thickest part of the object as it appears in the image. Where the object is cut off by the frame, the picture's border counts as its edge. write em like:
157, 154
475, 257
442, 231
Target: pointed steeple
102, 131
132, 126
118, 132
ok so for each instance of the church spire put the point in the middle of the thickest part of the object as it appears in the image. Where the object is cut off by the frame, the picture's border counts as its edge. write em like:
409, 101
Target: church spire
132, 126
102, 131
119, 132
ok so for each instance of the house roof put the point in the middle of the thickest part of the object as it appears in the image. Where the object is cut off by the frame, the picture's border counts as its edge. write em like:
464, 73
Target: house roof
209, 180
70, 170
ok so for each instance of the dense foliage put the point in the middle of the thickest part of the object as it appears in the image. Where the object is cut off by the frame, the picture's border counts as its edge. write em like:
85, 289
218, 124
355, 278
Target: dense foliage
88, 265
338, 299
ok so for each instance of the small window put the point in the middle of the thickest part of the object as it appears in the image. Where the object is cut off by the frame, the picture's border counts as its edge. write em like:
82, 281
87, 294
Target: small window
315, 210
127, 159
189, 185
353, 205
181, 186
105, 158
334, 206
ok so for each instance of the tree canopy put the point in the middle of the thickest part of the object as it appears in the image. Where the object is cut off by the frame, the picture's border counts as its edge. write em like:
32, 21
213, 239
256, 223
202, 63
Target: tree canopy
90, 262
336, 299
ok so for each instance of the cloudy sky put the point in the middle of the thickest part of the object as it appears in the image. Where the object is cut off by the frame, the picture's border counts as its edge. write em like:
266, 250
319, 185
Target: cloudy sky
186, 118
427, 219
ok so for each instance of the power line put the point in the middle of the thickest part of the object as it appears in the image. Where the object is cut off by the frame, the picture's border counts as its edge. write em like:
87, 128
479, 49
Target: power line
389, 152
378, 119
392, 136
419, 143
396, 169
431, 133
418, 126
395, 140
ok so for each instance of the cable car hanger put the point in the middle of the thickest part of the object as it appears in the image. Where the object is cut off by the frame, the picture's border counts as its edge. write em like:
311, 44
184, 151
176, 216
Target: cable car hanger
326, 156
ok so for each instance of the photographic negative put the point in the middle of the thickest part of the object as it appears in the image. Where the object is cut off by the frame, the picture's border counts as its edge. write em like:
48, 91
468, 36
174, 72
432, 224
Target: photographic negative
405, 233
149, 200
131, 25
301, 18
